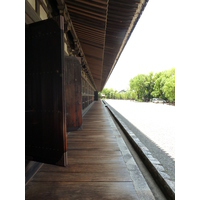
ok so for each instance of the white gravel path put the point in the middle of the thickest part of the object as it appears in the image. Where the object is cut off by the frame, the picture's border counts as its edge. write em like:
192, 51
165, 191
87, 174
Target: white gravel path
156, 121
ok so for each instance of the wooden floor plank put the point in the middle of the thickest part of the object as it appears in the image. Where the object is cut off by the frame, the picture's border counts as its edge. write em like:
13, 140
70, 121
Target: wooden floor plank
92, 139
83, 177
95, 159
87, 153
96, 168
81, 190
92, 133
86, 145
86, 168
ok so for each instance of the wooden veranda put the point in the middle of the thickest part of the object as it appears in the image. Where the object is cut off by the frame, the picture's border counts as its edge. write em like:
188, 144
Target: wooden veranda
71, 50
96, 168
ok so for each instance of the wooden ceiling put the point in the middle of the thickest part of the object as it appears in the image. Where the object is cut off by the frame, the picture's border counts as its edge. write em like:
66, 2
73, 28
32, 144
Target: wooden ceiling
103, 28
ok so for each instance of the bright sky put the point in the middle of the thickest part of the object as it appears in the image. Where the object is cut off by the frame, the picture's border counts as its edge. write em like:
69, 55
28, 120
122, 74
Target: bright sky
154, 43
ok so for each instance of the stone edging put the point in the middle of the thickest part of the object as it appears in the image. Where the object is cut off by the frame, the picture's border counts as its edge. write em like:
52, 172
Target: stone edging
152, 164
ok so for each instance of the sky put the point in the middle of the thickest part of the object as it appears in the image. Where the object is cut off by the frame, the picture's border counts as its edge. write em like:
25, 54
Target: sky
153, 45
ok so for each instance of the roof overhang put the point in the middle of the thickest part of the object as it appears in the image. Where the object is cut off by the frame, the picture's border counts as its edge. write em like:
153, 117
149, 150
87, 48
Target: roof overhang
99, 30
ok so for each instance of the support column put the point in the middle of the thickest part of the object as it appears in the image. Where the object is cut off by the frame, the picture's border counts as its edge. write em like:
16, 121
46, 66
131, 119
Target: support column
95, 95
73, 95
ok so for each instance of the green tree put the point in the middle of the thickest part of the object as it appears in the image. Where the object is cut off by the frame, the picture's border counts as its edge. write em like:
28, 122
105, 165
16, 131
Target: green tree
106, 92
164, 86
138, 85
149, 84
169, 86
144, 87
109, 93
157, 91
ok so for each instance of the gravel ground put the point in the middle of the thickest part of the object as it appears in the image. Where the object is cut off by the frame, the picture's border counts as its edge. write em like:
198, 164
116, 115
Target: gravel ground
154, 125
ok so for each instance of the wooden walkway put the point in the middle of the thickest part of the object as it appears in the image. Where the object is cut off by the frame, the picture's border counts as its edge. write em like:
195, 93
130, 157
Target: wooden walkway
96, 168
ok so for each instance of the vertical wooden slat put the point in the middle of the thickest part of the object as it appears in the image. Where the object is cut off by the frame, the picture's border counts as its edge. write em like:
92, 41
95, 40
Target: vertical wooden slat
96, 95
73, 93
45, 126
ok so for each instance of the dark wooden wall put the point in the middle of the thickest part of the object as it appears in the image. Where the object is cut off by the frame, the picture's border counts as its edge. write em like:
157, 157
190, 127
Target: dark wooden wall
87, 93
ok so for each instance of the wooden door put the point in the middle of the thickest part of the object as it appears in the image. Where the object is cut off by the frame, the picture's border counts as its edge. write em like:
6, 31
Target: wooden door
45, 107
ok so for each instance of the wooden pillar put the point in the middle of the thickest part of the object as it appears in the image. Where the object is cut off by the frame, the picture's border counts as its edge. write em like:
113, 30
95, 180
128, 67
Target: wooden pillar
73, 94
95, 95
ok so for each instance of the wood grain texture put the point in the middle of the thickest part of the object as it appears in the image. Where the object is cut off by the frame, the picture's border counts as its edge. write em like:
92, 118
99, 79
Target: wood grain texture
81, 190
73, 95
45, 113
96, 168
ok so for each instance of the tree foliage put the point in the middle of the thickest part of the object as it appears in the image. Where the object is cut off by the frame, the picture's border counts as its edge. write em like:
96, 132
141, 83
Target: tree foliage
169, 86
145, 87
113, 94
165, 85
